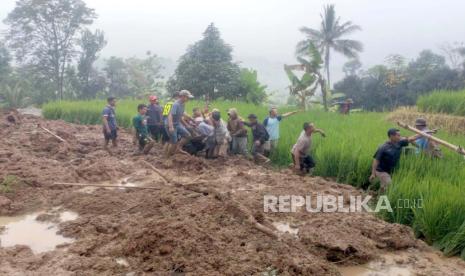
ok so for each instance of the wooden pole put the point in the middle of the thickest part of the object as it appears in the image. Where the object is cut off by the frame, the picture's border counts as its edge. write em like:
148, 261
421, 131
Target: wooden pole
51, 133
453, 147
104, 186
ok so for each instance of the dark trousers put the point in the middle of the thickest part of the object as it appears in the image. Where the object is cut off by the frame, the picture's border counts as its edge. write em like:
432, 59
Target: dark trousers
306, 163
156, 132
142, 142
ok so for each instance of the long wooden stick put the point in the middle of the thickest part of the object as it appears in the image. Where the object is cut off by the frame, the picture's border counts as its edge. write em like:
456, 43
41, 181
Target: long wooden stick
165, 179
104, 186
51, 133
453, 147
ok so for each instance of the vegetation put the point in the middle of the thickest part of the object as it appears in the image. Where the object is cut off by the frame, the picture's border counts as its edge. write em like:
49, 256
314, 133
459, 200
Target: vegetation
8, 184
450, 102
398, 83
207, 69
449, 123
346, 155
330, 37
42, 33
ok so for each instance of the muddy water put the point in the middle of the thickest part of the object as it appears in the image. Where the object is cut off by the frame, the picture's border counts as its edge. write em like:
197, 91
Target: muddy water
405, 263
365, 270
37, 235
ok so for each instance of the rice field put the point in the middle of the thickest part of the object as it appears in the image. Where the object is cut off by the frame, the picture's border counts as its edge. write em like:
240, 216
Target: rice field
346, 155
450, 102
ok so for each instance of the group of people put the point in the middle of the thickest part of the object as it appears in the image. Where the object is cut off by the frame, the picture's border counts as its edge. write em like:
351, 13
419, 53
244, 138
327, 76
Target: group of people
205, 131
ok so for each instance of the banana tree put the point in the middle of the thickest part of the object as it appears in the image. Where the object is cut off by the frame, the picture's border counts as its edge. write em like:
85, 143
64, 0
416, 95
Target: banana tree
312, 76
301, 87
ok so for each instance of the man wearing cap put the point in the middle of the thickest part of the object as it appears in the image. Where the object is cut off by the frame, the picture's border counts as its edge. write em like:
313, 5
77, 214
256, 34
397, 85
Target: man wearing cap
303, 161
424, 144
154, 118
110, 129
260, 136
174, 123
271, 124
238, 133
387, 157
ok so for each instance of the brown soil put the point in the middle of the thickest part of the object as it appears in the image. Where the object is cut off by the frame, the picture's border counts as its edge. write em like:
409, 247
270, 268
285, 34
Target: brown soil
207, 220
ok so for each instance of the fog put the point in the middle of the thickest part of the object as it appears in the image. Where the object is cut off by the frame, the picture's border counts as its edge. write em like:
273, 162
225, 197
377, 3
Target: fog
264, 33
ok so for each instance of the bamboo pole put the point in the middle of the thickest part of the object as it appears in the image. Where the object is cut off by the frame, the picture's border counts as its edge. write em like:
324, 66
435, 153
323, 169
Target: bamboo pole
448, 145
51, 133
103, 186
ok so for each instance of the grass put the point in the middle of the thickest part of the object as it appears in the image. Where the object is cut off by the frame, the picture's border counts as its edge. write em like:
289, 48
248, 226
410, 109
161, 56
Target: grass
346, 155
450, 102
8, 184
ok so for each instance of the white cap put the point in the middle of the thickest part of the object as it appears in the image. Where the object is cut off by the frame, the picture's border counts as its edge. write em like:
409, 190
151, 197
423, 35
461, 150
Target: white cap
186, 93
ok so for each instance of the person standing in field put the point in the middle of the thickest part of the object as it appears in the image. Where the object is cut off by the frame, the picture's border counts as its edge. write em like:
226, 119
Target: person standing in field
238, 133
301, 158
155, 119
140, 124
110, 128
174, 123
271, 124
423, 144
260, 136
387, 157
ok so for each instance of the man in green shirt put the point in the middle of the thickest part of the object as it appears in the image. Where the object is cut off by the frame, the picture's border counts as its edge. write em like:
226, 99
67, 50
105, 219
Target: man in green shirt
142, 134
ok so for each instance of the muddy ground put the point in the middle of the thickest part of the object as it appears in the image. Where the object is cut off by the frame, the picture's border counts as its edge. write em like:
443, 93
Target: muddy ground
206, 219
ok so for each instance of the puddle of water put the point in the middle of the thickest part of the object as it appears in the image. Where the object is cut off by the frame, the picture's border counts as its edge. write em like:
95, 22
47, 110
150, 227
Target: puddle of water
363, 270
285, 227
122, 262
68, 216
37, 235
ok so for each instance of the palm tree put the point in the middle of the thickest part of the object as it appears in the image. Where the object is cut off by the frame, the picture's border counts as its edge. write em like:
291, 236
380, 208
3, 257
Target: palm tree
330, 37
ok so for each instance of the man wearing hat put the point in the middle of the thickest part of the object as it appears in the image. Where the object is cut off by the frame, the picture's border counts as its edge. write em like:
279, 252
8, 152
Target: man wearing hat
387, 157
271, 124
154, 118
174, 123
423, 144
260, 136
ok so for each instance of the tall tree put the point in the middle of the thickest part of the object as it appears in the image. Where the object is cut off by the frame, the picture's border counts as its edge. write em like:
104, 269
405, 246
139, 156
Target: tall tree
5, 60
251, 90
91, 44
352, 67
43, 34
207, 69
144, 74
117, 77
329, 37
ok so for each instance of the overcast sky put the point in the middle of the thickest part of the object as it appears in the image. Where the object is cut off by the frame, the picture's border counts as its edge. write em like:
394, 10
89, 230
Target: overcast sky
266, 31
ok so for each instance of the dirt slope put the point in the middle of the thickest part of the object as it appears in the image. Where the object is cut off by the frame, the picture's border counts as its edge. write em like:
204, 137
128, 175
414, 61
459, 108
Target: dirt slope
203, 222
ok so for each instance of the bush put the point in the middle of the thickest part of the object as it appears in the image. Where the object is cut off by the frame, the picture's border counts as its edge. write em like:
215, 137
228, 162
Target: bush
450, 102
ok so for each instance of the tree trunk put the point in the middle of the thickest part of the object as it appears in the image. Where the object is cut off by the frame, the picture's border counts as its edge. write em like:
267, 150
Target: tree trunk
328, 84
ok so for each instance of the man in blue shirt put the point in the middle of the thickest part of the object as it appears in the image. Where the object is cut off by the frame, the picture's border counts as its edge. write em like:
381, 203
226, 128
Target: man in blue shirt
174, 123
271, 124
423, 144
110, 129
